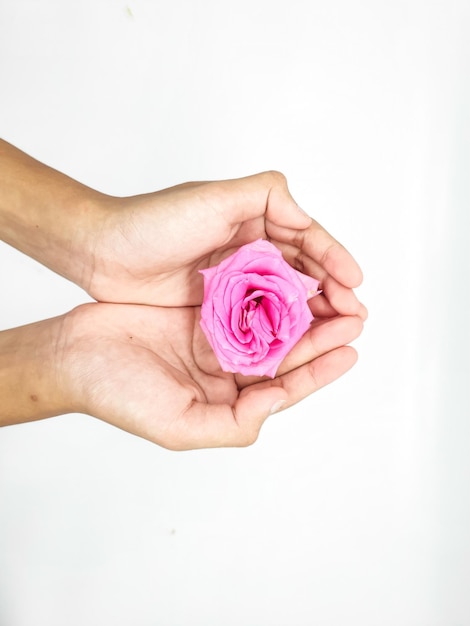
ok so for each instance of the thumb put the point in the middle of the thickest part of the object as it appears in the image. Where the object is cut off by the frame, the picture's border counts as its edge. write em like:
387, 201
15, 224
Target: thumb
205, 425
264, 194
254, 406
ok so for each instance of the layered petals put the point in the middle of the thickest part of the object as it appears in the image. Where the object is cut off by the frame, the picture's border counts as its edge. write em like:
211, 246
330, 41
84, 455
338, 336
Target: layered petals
255, 309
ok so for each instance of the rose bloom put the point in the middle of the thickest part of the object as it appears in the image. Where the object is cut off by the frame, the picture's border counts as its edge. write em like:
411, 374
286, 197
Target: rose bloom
255, 309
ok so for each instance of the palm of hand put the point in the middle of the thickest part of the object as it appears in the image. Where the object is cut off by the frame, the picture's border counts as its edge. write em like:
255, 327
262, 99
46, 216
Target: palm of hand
151, 372
152, 253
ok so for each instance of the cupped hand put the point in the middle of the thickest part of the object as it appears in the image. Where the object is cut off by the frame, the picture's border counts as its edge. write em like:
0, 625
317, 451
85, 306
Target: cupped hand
151, 372
148, 248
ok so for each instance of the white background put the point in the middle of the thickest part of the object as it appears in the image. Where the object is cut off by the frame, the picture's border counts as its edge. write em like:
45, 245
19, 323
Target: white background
353, 507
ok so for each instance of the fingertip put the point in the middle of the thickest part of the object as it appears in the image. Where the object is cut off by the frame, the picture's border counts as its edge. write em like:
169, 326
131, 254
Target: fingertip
346, 269
277, 406
252, 409
331, 366
357, 326
303, 218
332, 255
359, 276
342, 298
349, 356
363, 312
281, 208
260, 402
359, 310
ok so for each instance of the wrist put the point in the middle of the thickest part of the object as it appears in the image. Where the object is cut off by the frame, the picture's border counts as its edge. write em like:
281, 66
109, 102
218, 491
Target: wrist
30, 385
48, 216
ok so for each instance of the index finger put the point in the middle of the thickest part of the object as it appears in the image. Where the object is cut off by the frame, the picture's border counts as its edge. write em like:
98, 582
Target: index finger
267, 195
316, 243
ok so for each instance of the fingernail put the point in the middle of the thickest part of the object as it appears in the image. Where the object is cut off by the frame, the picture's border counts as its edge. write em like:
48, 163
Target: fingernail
277, 406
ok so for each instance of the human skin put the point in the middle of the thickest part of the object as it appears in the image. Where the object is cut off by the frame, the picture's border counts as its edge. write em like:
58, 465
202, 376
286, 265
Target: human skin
150, 371
147, 249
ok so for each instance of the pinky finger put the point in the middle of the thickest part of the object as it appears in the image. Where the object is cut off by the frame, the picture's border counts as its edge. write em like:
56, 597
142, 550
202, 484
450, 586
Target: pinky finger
312, 376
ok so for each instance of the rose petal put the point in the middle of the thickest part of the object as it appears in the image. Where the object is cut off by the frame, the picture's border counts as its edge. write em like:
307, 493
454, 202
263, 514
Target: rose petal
255, 309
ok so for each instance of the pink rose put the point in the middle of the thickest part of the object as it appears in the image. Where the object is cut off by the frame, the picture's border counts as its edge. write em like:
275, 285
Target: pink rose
255, 309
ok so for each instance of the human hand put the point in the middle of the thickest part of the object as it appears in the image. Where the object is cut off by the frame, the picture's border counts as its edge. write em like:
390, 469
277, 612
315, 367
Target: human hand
151, 372
148, 249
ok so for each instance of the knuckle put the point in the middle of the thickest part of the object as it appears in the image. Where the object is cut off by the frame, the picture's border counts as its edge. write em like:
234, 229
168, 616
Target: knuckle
328, 252
247, 438
314, 377
313, 341
277, 178
299, 264
299, 241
